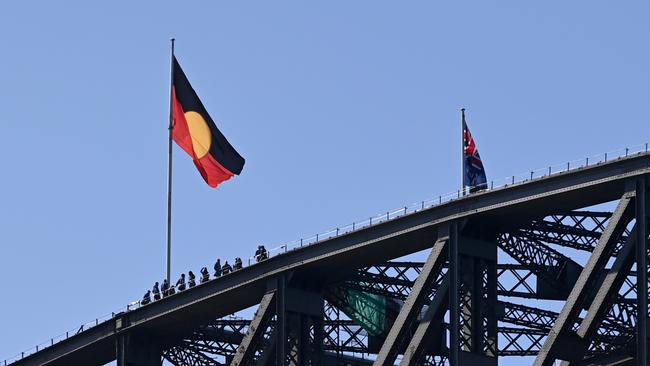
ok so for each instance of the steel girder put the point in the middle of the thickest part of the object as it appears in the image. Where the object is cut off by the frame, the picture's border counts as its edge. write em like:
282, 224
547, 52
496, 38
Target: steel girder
562, 340
347, 337
395, 280
247, 347
412, 305
548, 264
522, 330
574, 229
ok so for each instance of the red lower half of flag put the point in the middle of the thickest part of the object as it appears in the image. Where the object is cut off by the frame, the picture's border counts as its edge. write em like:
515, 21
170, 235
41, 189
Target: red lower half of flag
212, 172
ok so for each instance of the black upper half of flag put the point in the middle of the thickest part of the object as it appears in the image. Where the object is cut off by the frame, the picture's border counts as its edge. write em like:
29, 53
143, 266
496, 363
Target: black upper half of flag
220, 148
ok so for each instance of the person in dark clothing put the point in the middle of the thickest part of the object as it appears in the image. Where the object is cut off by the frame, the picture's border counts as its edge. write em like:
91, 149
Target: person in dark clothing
165, 288
156, 292
217, 268
238, 264
192, 279
205, 275
146, 298
258, 253
226, 268
180, 284
261, 253
172, 290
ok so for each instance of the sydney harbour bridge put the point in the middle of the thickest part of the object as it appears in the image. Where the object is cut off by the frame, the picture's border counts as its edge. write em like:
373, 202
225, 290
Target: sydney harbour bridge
553, 267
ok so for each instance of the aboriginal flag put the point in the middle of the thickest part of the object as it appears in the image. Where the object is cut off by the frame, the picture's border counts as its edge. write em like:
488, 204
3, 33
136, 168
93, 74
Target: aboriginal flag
196, 133
473, 170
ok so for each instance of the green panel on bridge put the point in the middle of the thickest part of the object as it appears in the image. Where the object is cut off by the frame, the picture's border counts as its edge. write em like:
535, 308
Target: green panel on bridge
368, 310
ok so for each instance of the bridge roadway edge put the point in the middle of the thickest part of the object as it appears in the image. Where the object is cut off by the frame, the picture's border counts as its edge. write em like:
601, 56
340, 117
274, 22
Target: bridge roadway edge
178, 314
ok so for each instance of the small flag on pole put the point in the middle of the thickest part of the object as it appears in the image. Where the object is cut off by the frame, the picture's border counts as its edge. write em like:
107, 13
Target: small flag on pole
473, 171
196, 133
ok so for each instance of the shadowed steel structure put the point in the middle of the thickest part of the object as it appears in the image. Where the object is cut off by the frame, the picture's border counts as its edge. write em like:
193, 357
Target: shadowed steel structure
346, 301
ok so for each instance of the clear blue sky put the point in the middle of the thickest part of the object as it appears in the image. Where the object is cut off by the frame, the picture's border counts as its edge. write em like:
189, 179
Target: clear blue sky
342, 109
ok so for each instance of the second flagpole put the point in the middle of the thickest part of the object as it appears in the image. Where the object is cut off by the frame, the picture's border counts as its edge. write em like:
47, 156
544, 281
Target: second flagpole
169, 164
462, 150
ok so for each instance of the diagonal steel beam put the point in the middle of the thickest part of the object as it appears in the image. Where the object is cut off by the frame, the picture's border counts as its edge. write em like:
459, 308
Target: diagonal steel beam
246, 349
555, 268
424, 330
588, 276
183, 356
413, 304
608, 289
574, 229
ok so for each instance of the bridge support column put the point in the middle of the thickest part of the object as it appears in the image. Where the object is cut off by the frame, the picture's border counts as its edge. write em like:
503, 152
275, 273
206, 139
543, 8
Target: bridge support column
641, 272
473, 301
299, 330
136, 350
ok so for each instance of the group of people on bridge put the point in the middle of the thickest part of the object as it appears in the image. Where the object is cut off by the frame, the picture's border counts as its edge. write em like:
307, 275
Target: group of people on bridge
167, 289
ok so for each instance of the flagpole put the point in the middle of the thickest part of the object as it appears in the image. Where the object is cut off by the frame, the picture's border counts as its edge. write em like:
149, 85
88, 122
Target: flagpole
462, 150
169, 163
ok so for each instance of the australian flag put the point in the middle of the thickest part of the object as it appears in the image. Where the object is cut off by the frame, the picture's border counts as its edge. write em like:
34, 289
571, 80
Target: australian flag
474, 172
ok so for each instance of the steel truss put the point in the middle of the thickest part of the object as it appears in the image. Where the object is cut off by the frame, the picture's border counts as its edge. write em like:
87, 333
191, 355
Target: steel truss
539, 271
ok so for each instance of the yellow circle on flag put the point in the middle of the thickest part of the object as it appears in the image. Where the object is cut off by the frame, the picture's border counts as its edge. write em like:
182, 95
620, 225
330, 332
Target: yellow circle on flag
200, 133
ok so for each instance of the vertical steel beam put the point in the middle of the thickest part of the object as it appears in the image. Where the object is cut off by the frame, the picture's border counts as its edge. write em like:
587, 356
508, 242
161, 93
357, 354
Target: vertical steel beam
492, 336
413, 304
137, 350
281, 323
559, 335
453, 296
120, 350
249, 343
641, 273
